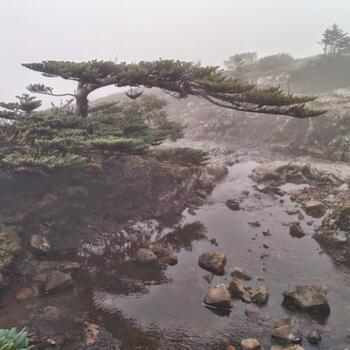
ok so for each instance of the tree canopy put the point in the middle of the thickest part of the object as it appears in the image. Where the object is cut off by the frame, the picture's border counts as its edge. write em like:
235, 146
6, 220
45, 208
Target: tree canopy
335, 41
26, 104
178, 78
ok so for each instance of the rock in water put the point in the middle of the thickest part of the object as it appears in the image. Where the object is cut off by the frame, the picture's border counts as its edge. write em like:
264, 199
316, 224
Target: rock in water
241, 274
286, 330
40, 244
250, 344
213, 261
232, 204
314, 337
315, 209
218, 297
260, 296
145, 256
164, 253
236, 288
59, 281
310, 298
295, 230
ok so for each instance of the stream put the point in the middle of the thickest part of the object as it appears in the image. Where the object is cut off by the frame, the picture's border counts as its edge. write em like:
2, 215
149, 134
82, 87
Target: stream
148, 307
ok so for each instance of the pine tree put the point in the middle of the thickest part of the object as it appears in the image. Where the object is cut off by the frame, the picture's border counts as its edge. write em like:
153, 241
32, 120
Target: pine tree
26, 105
335, 41
178, 78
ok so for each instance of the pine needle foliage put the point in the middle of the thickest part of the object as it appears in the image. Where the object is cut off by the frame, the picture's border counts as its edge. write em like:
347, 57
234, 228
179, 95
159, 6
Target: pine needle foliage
11, 339
54, 139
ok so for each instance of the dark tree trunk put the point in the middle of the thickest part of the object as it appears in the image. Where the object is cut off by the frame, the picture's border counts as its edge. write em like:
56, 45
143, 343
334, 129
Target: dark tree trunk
81, 101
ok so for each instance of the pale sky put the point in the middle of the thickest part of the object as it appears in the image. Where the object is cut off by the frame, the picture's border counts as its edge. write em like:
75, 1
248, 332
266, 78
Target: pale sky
205, 30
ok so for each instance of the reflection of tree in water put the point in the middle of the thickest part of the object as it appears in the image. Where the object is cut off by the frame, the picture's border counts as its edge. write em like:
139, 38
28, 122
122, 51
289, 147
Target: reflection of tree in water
183, 237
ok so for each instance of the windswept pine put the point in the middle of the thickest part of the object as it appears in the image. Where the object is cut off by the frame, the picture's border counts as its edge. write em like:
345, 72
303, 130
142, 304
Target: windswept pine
178, 78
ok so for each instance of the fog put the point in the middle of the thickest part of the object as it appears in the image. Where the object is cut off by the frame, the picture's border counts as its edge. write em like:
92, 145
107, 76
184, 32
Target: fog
197, 30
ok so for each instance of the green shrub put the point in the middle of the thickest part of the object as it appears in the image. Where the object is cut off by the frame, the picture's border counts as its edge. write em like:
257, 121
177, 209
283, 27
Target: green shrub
10, 339
183, 155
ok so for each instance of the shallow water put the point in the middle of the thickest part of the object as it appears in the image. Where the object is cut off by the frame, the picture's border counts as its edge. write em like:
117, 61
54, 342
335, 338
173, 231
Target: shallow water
155, 308
167, 306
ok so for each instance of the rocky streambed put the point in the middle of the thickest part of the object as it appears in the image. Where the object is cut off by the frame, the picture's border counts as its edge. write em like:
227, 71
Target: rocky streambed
143, 285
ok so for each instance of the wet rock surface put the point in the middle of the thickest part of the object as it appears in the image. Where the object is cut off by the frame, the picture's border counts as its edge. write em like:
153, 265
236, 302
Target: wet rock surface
287, 330
218, 297
310, 298
213, 261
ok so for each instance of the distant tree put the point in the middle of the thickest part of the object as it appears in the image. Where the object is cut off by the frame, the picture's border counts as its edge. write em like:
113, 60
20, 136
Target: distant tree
274, 61
335, 41
178, 78
26, 105
240, 60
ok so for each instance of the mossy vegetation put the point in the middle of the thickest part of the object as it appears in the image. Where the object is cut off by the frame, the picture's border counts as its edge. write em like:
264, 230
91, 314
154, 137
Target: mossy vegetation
9, 245
11, 339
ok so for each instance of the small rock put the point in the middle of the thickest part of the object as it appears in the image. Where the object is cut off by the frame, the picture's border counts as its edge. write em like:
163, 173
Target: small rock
245, 193
241, 274
266, 233
254, 224
286, 330
191, 211
163, 253
230, 347
145, 256
59, 281
311, 298
218, 297
70, 266
24, 294
314, 337
295, 230
254, 315
232, 204
293, 211
260, 296
315, 209
310, 223
236, 288
40, 244
250, 344
213, 261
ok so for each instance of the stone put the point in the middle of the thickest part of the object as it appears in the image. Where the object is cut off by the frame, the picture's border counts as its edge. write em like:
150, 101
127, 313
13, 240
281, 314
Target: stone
218, 297
213, 261
314, 337
59, 281
315, 209
145, 256
293, 211
39, 244
237, 288
260, 296
70, 266
286, 330
232, 204
254, 315
295, 230
241, 274
230, 347
163, 253
250, 344
310, 298
24, 294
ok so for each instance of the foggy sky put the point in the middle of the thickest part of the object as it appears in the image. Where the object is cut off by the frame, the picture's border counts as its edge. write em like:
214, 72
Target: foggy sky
198, 30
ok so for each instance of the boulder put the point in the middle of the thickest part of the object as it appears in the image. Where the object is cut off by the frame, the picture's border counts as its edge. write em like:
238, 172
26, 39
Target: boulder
295, 230
315, 209
218, 297
213, 261
260, 296
241, 274
59, 281
314, 337
39, 244
145, 256
293, 211
286, 330
250, 344
310, 298
232, 204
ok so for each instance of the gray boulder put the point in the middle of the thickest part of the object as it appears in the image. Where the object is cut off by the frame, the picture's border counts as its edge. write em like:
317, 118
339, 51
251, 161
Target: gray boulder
218, 297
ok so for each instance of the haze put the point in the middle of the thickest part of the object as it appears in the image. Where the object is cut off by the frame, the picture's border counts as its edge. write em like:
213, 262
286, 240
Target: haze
201, 30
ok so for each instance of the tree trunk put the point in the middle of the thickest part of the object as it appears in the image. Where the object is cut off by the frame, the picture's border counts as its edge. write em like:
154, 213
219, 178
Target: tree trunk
82, 102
